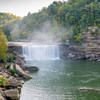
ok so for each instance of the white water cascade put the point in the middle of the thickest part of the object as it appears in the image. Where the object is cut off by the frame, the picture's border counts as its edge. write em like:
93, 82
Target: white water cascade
41, 52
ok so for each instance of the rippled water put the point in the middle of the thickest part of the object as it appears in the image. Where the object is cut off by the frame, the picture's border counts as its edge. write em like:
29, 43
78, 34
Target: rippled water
60, 80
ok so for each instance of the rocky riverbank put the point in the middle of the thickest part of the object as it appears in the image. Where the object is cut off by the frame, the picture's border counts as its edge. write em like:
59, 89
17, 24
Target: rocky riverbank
79, 52
12, 74
87, 49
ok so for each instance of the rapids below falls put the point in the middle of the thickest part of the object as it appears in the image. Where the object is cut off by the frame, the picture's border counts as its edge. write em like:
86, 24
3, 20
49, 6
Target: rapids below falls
59, 79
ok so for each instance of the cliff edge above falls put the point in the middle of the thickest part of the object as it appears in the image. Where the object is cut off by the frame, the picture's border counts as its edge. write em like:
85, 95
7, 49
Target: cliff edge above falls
15, 47
87, 49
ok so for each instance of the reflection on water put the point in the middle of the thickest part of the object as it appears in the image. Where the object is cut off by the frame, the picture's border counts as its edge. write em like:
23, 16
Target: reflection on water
59, 80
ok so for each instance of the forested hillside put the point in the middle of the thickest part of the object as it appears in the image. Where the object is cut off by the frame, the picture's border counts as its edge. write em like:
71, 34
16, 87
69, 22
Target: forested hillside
6, 18
5, 21
60, 21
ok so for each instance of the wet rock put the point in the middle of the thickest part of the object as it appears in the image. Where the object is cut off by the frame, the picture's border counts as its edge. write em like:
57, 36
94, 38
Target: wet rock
21, 72
30, 68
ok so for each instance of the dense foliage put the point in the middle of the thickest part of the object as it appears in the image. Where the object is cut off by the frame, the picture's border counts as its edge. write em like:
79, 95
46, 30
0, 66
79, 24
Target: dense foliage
6, 20
4, 81
60, 21
3, 46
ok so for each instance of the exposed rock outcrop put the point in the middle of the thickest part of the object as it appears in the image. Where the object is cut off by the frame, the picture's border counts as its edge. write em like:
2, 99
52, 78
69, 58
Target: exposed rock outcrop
12, 94
1, 97
79, 52
14, 48
21, 72
30, 68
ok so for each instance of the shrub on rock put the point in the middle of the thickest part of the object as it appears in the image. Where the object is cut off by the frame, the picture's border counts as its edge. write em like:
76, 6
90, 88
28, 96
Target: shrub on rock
3, 46
11, 58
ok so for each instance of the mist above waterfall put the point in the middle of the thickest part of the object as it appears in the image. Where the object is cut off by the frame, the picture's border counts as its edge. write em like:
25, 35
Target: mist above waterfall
38, 28
48, 33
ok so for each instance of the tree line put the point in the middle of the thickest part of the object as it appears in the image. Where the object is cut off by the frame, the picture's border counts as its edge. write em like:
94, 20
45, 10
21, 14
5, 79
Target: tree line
61, 20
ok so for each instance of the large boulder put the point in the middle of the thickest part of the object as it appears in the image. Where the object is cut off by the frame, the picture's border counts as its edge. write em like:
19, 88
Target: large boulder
30, 68
1, 97
12, 94
21, 72
20, 62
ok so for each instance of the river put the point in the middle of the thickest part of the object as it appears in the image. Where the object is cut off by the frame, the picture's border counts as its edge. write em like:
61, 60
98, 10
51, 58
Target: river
60, 79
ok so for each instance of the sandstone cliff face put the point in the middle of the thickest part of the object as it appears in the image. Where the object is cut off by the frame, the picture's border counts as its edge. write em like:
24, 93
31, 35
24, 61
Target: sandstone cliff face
14, 47
88, 49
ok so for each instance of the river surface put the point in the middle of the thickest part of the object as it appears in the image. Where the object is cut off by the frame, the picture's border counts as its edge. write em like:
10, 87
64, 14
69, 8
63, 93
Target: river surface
60, 80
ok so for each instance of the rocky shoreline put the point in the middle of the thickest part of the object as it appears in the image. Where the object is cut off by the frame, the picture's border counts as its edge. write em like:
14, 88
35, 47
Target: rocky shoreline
88, 47
12, 74
79, 52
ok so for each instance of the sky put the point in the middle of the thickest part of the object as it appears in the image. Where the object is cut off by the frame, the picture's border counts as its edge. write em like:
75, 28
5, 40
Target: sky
22, 7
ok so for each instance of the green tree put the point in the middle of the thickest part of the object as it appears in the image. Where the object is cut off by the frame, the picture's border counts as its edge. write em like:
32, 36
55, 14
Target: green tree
3, 46
74, 15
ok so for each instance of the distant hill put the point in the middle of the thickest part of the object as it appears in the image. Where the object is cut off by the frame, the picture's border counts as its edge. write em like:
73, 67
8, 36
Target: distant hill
5, 23
6, 18
60, 21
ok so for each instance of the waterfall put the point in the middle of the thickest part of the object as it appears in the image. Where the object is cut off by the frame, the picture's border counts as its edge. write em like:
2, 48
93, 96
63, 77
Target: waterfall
41, 52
